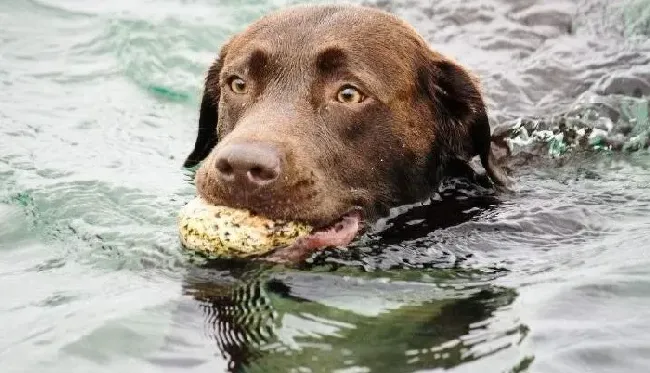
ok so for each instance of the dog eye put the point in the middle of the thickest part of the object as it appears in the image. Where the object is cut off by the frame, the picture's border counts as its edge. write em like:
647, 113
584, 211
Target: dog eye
238, 85
349, 95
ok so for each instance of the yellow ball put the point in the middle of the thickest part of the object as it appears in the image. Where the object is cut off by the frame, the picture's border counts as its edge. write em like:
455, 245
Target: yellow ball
220, 231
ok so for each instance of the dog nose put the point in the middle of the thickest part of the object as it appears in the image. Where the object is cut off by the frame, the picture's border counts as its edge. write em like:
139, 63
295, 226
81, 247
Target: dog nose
248, 165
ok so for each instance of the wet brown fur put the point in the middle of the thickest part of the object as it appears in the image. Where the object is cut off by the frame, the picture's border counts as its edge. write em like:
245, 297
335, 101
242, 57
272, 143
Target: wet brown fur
423, 114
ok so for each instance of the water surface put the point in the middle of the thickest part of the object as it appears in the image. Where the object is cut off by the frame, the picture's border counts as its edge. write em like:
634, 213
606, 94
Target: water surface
99, 108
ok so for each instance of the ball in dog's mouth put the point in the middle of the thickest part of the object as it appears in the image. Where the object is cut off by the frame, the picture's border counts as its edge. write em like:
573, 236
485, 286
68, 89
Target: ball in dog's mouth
226, 232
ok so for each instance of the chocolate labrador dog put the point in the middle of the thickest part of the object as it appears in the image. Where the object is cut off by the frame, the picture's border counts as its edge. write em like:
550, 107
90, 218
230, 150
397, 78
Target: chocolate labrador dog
331, 114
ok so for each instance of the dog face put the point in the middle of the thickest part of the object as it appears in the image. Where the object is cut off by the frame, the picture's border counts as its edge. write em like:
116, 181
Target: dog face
316, 110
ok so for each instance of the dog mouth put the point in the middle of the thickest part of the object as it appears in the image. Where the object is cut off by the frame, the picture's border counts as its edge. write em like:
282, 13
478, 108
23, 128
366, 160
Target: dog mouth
339, 233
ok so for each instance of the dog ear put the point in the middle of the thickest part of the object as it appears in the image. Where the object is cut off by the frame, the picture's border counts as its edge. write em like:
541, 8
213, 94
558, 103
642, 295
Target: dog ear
207, 136
463, 128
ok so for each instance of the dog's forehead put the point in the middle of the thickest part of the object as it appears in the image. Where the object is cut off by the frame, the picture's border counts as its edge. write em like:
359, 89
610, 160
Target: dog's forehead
369, 39
306, 29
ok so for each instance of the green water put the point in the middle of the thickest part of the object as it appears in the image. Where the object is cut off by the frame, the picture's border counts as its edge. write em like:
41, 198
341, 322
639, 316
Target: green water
99, 107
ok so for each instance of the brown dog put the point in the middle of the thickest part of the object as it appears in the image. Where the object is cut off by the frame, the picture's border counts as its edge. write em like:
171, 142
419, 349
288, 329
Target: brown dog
328, 114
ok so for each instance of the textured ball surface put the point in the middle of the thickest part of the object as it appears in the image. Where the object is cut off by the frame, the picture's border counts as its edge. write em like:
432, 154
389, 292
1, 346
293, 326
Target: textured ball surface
220, 231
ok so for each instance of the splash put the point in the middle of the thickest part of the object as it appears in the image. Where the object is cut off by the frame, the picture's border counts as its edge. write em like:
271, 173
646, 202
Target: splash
599, 123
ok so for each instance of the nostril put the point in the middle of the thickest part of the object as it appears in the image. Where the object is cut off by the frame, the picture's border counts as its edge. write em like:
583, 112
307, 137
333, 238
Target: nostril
224, 167
248, 165
256, 172
262, 174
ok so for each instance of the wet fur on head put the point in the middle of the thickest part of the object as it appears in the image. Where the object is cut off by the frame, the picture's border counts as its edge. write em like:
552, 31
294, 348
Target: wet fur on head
424, 115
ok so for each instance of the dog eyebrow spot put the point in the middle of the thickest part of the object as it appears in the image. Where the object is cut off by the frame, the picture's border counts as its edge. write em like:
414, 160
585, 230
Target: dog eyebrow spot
257, 62
330, 59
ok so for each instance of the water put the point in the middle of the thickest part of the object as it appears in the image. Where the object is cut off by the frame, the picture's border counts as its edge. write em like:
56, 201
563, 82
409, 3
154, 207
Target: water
99, 107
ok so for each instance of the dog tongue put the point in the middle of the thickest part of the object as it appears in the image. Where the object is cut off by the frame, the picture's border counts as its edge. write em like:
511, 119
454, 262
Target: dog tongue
340, 233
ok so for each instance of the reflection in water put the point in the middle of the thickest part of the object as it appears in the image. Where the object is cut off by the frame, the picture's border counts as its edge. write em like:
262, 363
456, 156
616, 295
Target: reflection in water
336, 315
267, 324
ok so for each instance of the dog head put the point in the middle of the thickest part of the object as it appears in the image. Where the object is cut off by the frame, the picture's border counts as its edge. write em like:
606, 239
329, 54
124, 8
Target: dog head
315, 110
